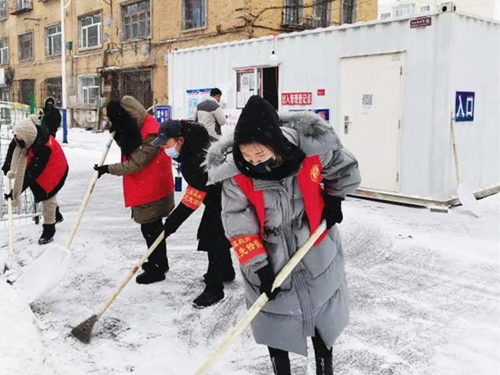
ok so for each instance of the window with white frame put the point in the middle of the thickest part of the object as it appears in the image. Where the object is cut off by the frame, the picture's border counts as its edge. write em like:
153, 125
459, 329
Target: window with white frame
403, 10
425, 8
137, 20
90, 31
194, 14
4, 52
3, 9
323, 13
384, 16
26, 46
5, 94
89, 89
53, 40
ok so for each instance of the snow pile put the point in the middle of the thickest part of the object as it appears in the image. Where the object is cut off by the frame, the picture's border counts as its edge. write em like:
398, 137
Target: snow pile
424, 293
21, 348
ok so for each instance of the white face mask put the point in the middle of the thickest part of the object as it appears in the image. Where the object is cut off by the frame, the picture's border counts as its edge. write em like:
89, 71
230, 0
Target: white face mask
172, 152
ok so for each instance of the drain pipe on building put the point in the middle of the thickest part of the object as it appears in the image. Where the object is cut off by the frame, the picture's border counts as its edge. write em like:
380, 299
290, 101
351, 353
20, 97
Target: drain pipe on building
63, 72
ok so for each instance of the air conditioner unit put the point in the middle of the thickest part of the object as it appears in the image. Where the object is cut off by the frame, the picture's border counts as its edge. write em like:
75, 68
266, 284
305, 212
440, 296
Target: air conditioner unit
447, 7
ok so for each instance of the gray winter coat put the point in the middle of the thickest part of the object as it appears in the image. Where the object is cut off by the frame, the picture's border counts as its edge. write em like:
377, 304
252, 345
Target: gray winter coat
316, 294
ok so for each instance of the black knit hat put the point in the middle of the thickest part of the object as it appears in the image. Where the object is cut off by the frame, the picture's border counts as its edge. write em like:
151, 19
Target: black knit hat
259, 122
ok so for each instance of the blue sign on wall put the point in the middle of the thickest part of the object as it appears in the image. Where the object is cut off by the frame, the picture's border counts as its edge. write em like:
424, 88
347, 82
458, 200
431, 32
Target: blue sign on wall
465, 103
162, 113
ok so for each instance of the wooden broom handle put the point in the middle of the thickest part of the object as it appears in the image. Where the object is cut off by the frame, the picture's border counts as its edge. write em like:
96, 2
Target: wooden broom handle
455, 151
90, 189
261, 301
132, 272
10, 223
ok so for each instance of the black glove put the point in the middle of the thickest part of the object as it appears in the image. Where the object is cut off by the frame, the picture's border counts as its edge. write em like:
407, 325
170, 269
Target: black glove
332, 212
103, 169
8, 196
266, 277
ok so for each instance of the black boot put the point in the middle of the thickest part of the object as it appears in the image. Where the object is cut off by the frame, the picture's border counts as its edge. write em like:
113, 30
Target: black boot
324, 366
151, 274
48, 234
281, 365
227, 277
209, 297
59, 217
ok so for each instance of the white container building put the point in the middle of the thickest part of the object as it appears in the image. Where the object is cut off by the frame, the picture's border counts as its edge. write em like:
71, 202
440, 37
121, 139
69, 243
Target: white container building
390, 88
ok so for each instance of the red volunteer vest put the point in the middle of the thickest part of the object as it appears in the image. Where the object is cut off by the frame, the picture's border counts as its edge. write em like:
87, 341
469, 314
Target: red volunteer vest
55, 169
309, 179
153, 182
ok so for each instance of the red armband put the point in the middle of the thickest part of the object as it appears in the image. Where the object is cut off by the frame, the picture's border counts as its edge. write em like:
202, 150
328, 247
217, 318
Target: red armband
247, 247
193, 198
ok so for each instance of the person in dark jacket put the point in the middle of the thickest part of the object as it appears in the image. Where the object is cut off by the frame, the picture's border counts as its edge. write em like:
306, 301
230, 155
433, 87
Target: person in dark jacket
51, 118
187, 142
36, 160
148, 185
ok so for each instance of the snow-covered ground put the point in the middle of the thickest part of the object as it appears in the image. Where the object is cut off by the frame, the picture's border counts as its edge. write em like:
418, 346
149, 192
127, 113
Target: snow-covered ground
424, 289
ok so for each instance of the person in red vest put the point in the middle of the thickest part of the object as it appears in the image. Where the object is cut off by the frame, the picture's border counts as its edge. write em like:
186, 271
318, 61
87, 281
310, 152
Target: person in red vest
36, 160
272, 170
148, 185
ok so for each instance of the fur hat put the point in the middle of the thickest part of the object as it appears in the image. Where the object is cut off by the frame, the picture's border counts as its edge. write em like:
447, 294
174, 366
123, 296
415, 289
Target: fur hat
26, 130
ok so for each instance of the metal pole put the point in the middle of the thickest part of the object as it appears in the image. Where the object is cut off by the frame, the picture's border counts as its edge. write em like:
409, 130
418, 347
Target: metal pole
63, 72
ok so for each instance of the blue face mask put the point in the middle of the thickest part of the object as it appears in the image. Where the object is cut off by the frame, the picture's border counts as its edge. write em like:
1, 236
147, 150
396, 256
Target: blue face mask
172, 152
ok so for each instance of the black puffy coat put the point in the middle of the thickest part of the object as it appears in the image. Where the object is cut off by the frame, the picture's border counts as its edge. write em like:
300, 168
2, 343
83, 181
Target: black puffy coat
192, 159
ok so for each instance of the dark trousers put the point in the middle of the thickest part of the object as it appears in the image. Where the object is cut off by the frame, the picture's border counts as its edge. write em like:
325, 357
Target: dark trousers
158, 259
320, 349
220, 265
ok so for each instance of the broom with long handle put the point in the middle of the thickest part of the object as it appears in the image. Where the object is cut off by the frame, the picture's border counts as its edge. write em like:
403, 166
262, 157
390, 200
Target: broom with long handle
10, 218
49, 269
90, 189
261, 301
83, 331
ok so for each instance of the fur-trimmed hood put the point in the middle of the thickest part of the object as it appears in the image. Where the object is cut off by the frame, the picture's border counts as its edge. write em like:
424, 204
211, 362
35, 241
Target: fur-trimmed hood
305, 129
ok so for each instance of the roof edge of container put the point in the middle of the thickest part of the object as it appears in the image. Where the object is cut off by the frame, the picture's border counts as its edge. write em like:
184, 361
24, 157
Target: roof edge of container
326, 30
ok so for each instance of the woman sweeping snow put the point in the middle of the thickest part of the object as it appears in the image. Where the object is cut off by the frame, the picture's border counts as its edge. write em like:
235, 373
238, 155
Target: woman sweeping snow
272, 201
36, 160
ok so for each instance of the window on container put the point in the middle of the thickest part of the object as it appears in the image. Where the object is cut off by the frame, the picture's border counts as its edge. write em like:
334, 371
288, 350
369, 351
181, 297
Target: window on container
246, 86
26, 87
26, 46
384, 16
89, 89
348, 11
323, 13
53, 88
425, 8
294, 12
194, 14
90, 31
137, 20
53, 40
4, 52
3, 9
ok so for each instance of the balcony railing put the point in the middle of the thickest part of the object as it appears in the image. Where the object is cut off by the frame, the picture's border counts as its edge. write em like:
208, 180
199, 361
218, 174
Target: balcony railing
292, 19
21, 6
